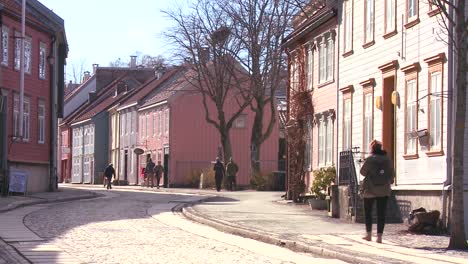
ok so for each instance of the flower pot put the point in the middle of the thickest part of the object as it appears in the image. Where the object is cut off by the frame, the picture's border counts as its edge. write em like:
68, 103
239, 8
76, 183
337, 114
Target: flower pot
318, 204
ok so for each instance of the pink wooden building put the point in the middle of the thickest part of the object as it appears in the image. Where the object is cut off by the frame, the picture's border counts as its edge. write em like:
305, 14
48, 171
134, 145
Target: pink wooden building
173, 130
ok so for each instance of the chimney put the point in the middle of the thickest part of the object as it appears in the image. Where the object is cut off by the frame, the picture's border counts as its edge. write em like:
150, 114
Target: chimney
91, 96
95, 66
86, 76
133, 61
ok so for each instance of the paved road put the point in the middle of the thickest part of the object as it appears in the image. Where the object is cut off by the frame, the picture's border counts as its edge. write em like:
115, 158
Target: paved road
133, 227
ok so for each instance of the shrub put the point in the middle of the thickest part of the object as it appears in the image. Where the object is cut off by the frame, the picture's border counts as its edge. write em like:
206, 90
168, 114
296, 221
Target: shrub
262, 181
193, 178
323, 178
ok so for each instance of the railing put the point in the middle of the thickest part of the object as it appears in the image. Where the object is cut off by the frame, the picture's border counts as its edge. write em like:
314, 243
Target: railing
347, 176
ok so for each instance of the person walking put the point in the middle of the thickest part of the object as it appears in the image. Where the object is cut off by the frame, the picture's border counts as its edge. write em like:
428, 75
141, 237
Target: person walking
376, 186
219, 173
149, 170
108, 173
231, 171
158, 170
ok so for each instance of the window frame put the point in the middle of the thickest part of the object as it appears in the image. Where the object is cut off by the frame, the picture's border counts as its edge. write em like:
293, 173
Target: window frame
42, 63
411, 75
389, 32
166, 122
41, 121
435, 65
5, 45
367, 91
325, 137
369, 40
413, 20
348, 27
326, 51
309, 60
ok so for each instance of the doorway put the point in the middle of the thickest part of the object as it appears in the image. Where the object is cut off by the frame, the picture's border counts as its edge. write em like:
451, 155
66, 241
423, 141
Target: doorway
166, 167
389, 119
125, 168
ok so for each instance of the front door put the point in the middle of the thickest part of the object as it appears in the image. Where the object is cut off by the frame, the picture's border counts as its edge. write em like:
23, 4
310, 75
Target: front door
389, 120
166, 167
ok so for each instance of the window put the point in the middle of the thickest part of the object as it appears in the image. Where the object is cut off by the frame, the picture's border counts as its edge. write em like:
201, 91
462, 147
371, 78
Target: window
347, 124
368, 123
27, 52
325, 141
160, 125
390, 17
128, 122
348, 27
42, 60
434, 9
326, 58
308, 146
122, 125
5, 41
26, 117
294, 78
154, 123
310, 68
411, 12
148, 125
241, 121
369, 22
166, 122
411, 115
435, 99
41, 122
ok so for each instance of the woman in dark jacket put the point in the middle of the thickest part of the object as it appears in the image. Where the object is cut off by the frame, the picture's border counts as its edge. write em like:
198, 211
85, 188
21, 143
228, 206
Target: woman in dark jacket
378, 177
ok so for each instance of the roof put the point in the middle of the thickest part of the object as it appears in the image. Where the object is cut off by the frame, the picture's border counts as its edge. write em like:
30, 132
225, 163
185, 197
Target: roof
107, 98
153, 86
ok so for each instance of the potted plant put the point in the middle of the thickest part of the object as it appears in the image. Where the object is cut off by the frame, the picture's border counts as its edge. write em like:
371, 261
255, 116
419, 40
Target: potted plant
323, 178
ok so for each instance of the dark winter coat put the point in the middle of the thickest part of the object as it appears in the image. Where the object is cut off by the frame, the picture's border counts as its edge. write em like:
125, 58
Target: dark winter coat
219, 169
109, 172
378, 176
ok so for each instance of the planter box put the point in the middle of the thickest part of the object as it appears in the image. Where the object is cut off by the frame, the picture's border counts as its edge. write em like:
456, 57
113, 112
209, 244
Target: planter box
317, 204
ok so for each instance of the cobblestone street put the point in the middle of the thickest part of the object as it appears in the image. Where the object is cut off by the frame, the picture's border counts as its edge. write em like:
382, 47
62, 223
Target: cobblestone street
139, 227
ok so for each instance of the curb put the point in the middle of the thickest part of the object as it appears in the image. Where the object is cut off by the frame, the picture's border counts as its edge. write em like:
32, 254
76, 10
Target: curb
91, 195
352, 257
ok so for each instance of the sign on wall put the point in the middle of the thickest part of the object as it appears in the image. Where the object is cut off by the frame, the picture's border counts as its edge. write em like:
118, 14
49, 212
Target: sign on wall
18, 181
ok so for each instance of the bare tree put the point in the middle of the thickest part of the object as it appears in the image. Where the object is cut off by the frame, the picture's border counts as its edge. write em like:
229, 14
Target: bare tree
144, 60
260, 27
453, 18
204, 41
77, 71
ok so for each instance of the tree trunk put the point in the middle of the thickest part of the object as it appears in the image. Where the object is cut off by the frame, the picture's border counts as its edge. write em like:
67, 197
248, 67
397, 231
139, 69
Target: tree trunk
457, 225
256, 137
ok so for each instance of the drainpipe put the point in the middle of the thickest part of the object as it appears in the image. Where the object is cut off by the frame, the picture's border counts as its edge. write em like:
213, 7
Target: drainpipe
53, 118
451, 99
21, 95
337, 94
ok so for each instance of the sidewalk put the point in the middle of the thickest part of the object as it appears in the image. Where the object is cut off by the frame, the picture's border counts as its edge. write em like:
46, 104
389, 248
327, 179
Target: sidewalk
265, 216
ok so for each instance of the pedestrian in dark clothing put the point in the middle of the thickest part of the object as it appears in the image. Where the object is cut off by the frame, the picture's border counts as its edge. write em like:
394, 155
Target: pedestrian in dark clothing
158, 170
376, 186
149, 170
108, 173
231, 171
219, 173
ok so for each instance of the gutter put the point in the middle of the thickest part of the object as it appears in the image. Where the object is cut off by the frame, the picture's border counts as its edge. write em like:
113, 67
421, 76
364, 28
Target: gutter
126, 106
53, 116
450, 105
318, 22
152, 105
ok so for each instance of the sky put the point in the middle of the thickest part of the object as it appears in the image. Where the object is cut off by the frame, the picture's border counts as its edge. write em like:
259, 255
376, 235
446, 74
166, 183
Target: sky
102, 31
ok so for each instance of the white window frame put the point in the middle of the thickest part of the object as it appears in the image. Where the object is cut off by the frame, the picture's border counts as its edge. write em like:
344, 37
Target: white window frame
308, 146
154, 123
166, 121
147, 124
369, 18
310, 67
26, 118
325, 142
368, 120
15, 115
390, 16
348, 26
27, 54
347, 125
41, 122
5, 45
326, 57
411, 116
412, 10
42, 60
435, 112
160, 125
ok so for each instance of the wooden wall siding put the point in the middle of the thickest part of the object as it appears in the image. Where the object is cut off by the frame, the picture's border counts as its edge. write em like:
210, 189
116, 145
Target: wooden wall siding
416, 44
193, 140
34, 88
79, 98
